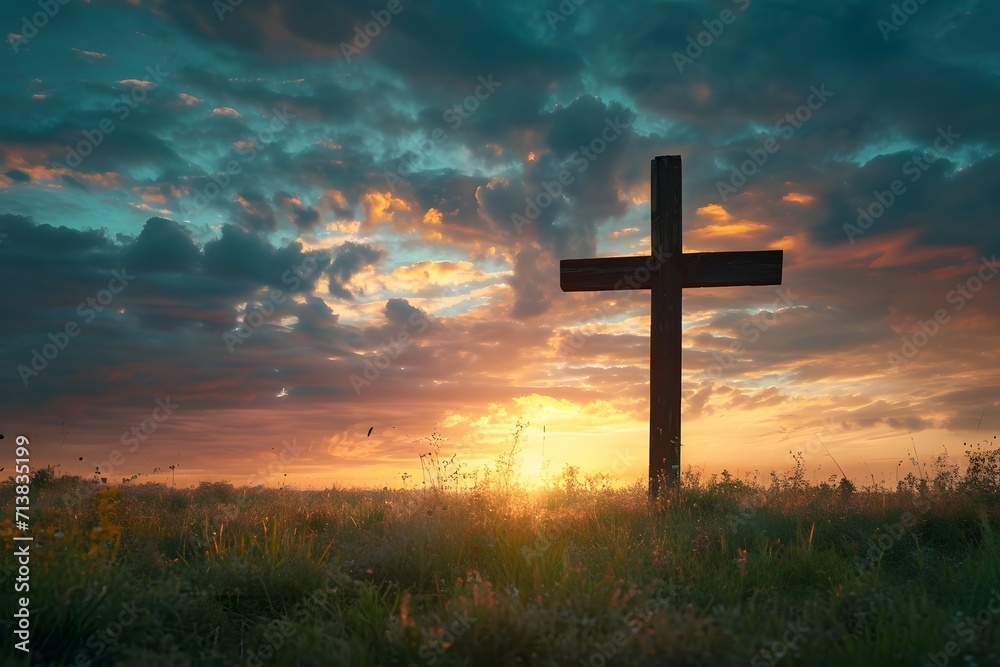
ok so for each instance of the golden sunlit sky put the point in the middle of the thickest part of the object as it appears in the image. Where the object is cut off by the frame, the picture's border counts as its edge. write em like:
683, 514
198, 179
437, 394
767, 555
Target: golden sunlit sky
237, 237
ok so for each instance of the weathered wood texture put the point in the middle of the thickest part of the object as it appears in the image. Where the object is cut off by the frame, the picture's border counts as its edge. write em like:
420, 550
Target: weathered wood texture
698, 269
665, 326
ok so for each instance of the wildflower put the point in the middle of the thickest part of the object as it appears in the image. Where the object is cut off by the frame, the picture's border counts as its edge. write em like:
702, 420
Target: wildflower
741, 561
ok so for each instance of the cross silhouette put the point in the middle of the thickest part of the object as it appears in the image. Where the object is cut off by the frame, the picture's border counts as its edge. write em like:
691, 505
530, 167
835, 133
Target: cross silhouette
666, 271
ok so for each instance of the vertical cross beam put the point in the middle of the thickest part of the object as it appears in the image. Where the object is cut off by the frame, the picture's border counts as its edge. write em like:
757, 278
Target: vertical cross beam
665, 325
667, 271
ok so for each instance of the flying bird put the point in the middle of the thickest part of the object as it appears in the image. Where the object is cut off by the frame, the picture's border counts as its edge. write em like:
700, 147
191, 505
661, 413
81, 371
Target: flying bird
370, 432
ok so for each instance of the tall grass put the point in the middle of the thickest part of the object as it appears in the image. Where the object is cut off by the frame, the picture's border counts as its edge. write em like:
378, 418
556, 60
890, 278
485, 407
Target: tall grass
726, 572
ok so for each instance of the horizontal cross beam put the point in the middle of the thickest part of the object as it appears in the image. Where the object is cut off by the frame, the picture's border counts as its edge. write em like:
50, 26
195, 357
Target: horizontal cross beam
699, 269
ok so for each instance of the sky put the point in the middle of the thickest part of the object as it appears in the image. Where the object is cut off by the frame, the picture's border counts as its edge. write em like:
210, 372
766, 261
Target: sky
299, 242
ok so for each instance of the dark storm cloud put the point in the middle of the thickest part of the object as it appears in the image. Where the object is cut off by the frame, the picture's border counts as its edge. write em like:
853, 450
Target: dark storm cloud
441, 46
163, 245
163, 328
318, 321
930, 195
256, 213
532, 283
588, 146
451, 192
303, 217
345, 165
348, 261
241, 255
400, 313
560, 197
903, 88
558, 88
47, 263
311, 96
403, 327
498, 200
454, 195
61, 240
88, 125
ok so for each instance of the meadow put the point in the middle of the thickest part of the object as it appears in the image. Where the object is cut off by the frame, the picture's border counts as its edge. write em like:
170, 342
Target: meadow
725, 572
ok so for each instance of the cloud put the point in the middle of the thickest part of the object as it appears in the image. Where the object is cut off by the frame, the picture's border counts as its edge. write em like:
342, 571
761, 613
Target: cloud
164, 245
303, 217
532, 285
226, 112
90, 56
349, 259
564, 142
255, 212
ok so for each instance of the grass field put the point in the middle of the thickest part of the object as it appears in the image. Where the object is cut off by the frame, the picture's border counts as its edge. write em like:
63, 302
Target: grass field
728, 572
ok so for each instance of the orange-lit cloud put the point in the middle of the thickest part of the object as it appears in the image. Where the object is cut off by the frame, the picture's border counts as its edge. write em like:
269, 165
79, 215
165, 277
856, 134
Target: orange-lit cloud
227, 112
723, 224
421, 275
89, 55
382, 206
799, 198
333, 199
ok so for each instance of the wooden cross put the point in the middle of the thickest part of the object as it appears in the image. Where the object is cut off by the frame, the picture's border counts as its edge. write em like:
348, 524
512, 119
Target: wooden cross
665, 271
